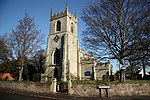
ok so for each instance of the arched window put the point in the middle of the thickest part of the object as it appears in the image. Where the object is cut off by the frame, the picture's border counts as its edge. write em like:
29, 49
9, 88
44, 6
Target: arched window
71, 27
56, 57
58, 27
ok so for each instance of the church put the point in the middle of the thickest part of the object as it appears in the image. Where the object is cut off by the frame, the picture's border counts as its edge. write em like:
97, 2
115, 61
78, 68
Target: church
64, 59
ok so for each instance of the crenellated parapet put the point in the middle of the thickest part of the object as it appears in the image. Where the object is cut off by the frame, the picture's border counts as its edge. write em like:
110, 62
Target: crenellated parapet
62, 14
71, 16
58, 15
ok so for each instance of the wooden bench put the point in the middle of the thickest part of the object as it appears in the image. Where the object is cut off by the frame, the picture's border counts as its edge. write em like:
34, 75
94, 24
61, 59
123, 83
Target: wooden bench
103, 87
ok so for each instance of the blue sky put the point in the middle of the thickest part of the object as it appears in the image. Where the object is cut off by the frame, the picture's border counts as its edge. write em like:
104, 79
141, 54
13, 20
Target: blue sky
13, 10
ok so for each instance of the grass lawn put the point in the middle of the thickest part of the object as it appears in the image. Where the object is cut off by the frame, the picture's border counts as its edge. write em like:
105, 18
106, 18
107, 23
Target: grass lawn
138, 81
112, 82
87, 81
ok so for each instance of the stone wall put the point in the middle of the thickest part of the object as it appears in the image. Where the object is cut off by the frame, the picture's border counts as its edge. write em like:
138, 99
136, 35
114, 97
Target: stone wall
130, 89
120, 89
83, 90
27, 86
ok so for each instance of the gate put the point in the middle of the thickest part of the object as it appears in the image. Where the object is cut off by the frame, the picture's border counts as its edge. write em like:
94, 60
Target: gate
62, 86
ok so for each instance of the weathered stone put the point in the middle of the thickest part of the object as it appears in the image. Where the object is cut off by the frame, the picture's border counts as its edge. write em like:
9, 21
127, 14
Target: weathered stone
27, 86
120, 89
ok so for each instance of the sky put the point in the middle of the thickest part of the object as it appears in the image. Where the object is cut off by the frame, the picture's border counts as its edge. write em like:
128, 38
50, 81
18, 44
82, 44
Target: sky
13, 10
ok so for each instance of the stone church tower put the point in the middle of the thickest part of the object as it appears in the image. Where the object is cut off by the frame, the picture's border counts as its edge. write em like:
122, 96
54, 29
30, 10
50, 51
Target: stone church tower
62, 55
64, 59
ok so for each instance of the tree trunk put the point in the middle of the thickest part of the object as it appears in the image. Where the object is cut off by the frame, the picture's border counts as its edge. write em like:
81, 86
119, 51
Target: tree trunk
122, 74
120, 78
132, 73
144, 72
131, 65
21, 69
20, 73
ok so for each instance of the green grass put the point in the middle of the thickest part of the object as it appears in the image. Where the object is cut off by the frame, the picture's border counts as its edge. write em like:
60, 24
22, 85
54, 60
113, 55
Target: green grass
138, 81
111, 82
130, 81
87, 81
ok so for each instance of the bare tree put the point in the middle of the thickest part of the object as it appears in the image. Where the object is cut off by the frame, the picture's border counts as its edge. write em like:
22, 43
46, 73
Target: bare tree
6, 54
3, 50
24, 41
142, 55
144, 52
38, 62
111, 28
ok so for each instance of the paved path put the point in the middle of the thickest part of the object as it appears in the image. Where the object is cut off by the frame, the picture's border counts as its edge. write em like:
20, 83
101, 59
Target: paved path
8, 94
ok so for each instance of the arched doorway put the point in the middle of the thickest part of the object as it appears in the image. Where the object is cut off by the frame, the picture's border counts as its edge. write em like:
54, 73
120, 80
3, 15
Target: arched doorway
57, 57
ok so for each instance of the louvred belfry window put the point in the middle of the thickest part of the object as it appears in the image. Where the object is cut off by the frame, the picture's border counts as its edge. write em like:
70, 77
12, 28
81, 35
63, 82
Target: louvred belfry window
71, 27
58, 28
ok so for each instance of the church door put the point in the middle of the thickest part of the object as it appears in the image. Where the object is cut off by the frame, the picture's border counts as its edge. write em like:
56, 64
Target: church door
56, 57
56, 73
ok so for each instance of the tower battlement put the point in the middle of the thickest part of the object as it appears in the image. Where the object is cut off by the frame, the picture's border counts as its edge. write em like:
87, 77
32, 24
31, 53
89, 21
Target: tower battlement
62, 14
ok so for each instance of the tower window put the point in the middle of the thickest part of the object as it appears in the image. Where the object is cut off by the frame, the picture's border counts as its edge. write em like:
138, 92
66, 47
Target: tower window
58, 28
71, 27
